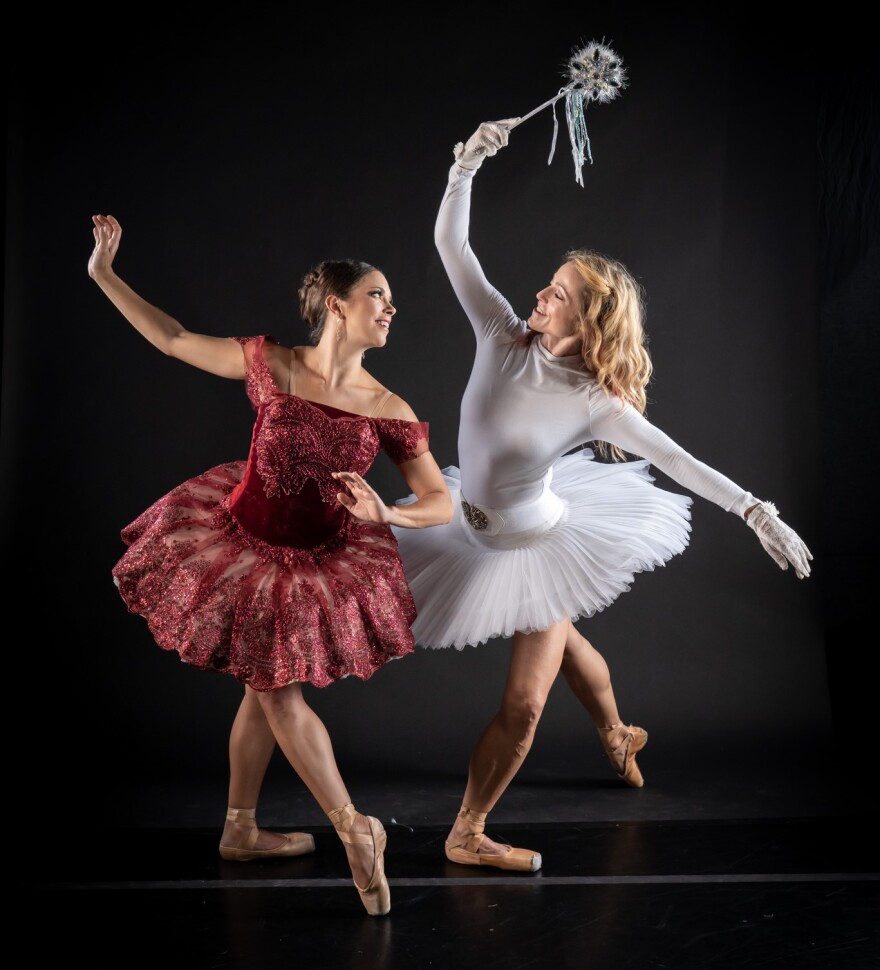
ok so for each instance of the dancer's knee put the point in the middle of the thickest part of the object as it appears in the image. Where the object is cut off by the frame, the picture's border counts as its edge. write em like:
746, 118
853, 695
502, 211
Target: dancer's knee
520, 714
281, 702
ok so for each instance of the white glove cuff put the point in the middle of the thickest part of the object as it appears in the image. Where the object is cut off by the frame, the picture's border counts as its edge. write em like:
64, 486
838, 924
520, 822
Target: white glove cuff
468, 161
457, 172
768, 508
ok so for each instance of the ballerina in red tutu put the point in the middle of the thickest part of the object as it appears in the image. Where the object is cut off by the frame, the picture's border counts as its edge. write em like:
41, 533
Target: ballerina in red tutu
283, 569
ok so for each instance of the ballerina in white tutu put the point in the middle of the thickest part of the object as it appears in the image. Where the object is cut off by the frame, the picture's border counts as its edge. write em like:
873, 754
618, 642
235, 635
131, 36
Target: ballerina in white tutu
544, 534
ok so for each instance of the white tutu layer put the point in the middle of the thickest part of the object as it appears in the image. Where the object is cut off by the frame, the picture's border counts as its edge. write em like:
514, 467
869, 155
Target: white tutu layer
615, 523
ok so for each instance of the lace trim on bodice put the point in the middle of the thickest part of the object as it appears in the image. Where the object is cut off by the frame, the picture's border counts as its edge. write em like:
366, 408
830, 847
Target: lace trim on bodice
297, 441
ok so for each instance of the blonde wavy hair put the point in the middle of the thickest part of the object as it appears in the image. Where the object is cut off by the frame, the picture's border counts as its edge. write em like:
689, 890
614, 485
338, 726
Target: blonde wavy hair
611, 323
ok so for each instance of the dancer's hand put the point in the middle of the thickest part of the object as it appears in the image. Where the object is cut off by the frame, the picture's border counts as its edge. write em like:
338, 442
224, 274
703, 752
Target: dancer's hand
361, 500
486, 140
107, 233
780, 541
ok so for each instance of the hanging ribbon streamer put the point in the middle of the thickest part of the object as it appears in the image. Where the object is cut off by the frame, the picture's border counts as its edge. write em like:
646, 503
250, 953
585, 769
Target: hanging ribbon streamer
595, 73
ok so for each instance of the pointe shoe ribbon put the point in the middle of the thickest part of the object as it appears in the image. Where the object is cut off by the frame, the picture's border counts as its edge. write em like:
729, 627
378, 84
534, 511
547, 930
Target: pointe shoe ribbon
294, 844
376, 895
622, 742
467, 852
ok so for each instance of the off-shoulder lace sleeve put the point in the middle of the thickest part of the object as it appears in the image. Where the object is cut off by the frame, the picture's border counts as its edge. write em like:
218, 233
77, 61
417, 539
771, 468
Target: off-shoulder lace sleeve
248, 346
402, 440
259, 382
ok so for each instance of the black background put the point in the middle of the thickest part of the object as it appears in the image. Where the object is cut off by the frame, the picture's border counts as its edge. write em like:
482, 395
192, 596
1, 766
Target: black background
735, 176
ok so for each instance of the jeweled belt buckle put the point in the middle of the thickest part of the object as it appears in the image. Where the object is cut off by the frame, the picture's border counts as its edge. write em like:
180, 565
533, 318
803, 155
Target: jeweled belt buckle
476, 518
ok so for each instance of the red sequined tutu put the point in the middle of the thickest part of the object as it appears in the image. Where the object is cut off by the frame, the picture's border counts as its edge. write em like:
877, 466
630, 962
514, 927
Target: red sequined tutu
253, 568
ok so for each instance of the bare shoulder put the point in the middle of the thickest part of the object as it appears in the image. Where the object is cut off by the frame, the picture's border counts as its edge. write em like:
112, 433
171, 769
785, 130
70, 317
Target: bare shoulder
272, 350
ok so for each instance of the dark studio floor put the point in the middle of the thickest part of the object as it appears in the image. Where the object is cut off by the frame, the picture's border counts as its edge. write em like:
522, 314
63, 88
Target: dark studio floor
701, 869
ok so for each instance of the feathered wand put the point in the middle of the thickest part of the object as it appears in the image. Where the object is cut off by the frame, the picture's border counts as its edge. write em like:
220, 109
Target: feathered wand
595, 74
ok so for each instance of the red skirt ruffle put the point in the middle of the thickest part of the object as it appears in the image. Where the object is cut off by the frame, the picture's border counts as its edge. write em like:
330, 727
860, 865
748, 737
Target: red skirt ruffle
269, 615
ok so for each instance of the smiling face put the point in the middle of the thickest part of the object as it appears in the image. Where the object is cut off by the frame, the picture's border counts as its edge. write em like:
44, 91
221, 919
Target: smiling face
558, 308
367, 310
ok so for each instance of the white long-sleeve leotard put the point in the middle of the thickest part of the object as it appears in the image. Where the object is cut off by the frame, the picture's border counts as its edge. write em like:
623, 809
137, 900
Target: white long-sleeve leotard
523, 408
536, 554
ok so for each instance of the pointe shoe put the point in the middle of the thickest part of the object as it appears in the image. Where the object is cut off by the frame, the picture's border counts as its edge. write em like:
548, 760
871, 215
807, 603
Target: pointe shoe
467, 852
297, 843
622, 743
376, 896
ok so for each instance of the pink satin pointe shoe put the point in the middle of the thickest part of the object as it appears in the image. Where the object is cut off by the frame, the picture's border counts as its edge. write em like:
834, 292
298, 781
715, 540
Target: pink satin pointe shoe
622, 742
376, 895
295, 843
467, 851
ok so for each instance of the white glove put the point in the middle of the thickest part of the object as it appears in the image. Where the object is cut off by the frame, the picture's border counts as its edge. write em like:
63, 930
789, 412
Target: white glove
780, 541
486, 140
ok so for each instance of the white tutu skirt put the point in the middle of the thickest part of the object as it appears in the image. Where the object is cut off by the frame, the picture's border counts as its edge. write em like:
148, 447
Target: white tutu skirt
615, 523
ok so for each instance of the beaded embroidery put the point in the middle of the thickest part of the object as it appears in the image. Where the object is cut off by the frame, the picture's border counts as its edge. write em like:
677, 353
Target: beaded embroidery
476, 519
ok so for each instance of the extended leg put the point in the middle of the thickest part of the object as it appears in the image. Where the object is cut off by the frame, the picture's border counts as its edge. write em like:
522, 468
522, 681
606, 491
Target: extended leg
304, 740
502, 748
251, 744
587, 674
